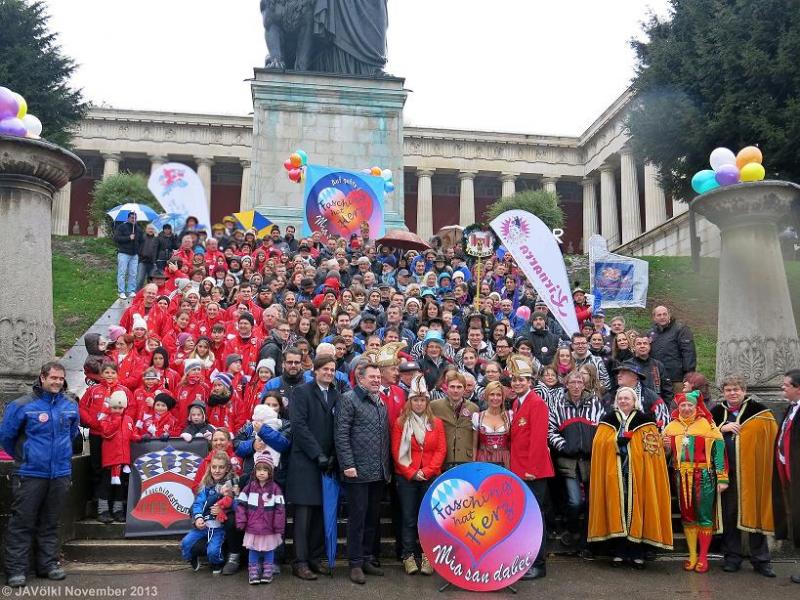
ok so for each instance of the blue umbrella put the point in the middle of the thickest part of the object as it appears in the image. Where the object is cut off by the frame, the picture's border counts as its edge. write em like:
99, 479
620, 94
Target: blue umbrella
142, 212
330, 513
176, 220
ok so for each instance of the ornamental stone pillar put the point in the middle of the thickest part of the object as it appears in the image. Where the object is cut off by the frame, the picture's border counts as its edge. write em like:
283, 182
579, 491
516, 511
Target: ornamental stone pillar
609, 215
655, 203
424, 203
61, 202
245, 201
631, 214
756, 329
30, 173
204, 165
549, 184
466, 213
111, 164
589, 185
509, 182
157, 160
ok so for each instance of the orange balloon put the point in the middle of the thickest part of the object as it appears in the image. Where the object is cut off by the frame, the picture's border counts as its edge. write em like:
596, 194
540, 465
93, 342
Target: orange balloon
376, 171
296, 160
748, 155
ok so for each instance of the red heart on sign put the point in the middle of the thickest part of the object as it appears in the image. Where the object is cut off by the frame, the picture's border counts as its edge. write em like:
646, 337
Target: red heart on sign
479, 519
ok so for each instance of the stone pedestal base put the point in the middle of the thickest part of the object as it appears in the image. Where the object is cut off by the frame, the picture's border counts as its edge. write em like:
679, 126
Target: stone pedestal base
340, 121
757, 331
30, 173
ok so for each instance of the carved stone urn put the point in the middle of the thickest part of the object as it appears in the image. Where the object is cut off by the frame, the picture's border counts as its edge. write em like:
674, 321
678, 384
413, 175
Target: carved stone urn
31, 171
757, 332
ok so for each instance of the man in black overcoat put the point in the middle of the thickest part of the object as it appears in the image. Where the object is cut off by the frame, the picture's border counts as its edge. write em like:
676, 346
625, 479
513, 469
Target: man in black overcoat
311, 413
786, 481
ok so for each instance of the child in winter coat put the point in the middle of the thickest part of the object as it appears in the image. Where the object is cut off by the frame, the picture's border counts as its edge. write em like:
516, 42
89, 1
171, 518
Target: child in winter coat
192, 387
197, 427
221, 441
221, 401
162, 424
118, 432
264, 433
208, 534
261, 514
144, 396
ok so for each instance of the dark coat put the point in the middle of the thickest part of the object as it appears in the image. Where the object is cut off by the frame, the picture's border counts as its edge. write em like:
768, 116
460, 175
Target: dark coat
787, 517
656, 377
167, 244
673, 345
312, 437
545, 344
148, 251
363, 439
122, 238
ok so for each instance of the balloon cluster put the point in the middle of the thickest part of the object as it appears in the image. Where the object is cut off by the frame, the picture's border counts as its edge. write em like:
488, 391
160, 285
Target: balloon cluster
728, 168
386, 174
296, 166
14, 117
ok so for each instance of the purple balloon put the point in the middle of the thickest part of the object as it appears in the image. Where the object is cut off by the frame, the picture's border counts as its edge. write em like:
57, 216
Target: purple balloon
13, 126
9, 105
727, 175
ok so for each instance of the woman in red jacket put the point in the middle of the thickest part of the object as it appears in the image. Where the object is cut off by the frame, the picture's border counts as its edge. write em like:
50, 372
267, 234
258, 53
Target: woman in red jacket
419, 448
129, 366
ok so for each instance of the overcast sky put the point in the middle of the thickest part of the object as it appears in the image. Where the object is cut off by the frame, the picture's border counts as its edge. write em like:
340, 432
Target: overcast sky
531, 66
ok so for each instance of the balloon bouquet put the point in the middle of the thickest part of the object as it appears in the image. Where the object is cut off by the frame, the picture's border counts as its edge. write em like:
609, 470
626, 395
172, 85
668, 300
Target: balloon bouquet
296, 164
728, 168
14, 117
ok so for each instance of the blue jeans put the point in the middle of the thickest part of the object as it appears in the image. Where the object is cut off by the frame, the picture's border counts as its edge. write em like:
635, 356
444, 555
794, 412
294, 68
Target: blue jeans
214, 537
144, 271
255, 557
575, 506
127, 266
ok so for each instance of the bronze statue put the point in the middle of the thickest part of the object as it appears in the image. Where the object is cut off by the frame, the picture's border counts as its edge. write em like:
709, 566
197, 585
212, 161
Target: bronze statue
330, 36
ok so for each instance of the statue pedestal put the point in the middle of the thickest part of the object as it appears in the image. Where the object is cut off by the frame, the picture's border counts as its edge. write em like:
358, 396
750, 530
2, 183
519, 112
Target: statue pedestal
31, 171
339, 120
757, 332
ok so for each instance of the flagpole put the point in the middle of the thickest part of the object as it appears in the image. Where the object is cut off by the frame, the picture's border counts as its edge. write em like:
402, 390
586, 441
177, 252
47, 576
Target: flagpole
478, 277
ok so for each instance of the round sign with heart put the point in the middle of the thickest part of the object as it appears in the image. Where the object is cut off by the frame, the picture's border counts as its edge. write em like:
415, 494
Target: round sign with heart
339, 202
480, 527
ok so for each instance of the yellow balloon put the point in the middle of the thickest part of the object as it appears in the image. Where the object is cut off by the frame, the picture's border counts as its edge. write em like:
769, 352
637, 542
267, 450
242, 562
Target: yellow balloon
752, 172
23, 106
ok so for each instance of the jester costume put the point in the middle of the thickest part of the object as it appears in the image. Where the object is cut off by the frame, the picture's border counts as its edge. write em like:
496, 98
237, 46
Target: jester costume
698, 456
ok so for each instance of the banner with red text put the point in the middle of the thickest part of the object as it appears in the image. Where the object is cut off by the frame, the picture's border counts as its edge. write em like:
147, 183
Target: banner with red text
161, 488
536, 251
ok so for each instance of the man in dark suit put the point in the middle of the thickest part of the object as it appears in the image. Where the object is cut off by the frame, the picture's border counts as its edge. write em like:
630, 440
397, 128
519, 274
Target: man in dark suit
786, 481
312, 454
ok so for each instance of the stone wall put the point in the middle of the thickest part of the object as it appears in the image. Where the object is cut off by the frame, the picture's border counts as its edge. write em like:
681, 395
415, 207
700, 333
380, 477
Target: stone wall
671, 238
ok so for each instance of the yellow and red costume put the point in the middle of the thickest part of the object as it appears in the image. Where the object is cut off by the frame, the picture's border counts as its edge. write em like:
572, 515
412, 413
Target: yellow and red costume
698, 456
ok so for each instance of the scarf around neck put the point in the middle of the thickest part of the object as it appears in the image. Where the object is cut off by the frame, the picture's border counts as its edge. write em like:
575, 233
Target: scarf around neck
415, 425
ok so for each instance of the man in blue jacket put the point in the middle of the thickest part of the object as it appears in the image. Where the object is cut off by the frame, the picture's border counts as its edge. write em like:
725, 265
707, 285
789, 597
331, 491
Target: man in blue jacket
38, 430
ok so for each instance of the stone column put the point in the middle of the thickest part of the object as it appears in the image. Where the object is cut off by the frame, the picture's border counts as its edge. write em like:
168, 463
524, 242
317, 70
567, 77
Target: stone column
609, 221
61, 210
30, 173
757, 332
549, 184
245, 201
204, 165
589, 210
111, 164
509, 181
466, 213
424, 203
678, 207
631, 213
156, 161
655, 203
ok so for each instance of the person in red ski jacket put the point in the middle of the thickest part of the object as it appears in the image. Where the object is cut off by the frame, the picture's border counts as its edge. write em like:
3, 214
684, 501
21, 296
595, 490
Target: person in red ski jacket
118, 433
192, 387
221, 401
162, 424
246, 344
169, 376
144, 395
147, 308
129, 367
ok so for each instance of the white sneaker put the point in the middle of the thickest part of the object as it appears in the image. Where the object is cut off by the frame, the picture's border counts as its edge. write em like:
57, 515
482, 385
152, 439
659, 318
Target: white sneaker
132, 295
122, 296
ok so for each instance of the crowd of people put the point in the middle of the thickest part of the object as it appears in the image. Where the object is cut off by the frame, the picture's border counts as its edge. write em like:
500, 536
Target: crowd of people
298, 358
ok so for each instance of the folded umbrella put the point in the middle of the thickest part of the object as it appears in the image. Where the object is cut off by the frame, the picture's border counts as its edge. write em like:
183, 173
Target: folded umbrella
330, 514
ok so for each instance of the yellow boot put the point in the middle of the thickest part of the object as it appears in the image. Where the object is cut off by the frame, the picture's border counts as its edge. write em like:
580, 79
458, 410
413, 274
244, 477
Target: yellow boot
690, 531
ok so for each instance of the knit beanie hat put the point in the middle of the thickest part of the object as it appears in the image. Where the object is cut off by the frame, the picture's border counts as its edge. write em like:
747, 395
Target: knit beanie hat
247, 317
223, 378
266, 363
263, 458
150, 374
118, 399
192, 364
165, 399
115, 331
232, 358
139, 322
182, 338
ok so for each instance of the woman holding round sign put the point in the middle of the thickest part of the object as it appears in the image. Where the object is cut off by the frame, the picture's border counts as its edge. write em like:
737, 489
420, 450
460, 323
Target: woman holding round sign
629, 502
419, 448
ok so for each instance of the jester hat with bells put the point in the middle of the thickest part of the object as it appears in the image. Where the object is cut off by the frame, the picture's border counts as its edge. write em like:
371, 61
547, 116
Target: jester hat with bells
418, 387
387, 355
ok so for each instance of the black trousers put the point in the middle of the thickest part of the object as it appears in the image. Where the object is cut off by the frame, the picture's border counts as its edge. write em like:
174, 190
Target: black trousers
410, 494
35, 507
363, 518
95, 464
539, 487
112, 493
732, 535
624, 548
309, 530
